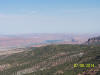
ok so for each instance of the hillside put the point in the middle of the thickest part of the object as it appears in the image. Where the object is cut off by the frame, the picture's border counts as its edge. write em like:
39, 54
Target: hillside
52, 60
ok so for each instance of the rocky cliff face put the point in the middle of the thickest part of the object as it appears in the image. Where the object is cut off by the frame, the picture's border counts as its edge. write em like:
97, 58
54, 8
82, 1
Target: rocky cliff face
93, 41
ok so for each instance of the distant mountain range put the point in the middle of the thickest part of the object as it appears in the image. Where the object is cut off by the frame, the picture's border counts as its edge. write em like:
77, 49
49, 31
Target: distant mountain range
40, 39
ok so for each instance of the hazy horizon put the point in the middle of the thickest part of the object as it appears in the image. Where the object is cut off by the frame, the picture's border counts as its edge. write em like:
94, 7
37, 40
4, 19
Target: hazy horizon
17, 34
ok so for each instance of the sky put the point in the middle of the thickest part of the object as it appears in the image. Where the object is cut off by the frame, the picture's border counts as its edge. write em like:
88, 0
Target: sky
49, 16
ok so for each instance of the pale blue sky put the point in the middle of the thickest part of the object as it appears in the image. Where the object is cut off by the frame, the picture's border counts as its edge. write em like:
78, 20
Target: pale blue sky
49, 16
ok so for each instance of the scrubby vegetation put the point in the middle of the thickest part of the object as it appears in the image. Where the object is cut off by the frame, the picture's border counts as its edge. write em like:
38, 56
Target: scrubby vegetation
52, 60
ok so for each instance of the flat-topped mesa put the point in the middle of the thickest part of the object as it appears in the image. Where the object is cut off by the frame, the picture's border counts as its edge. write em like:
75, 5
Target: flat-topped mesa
93, 41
